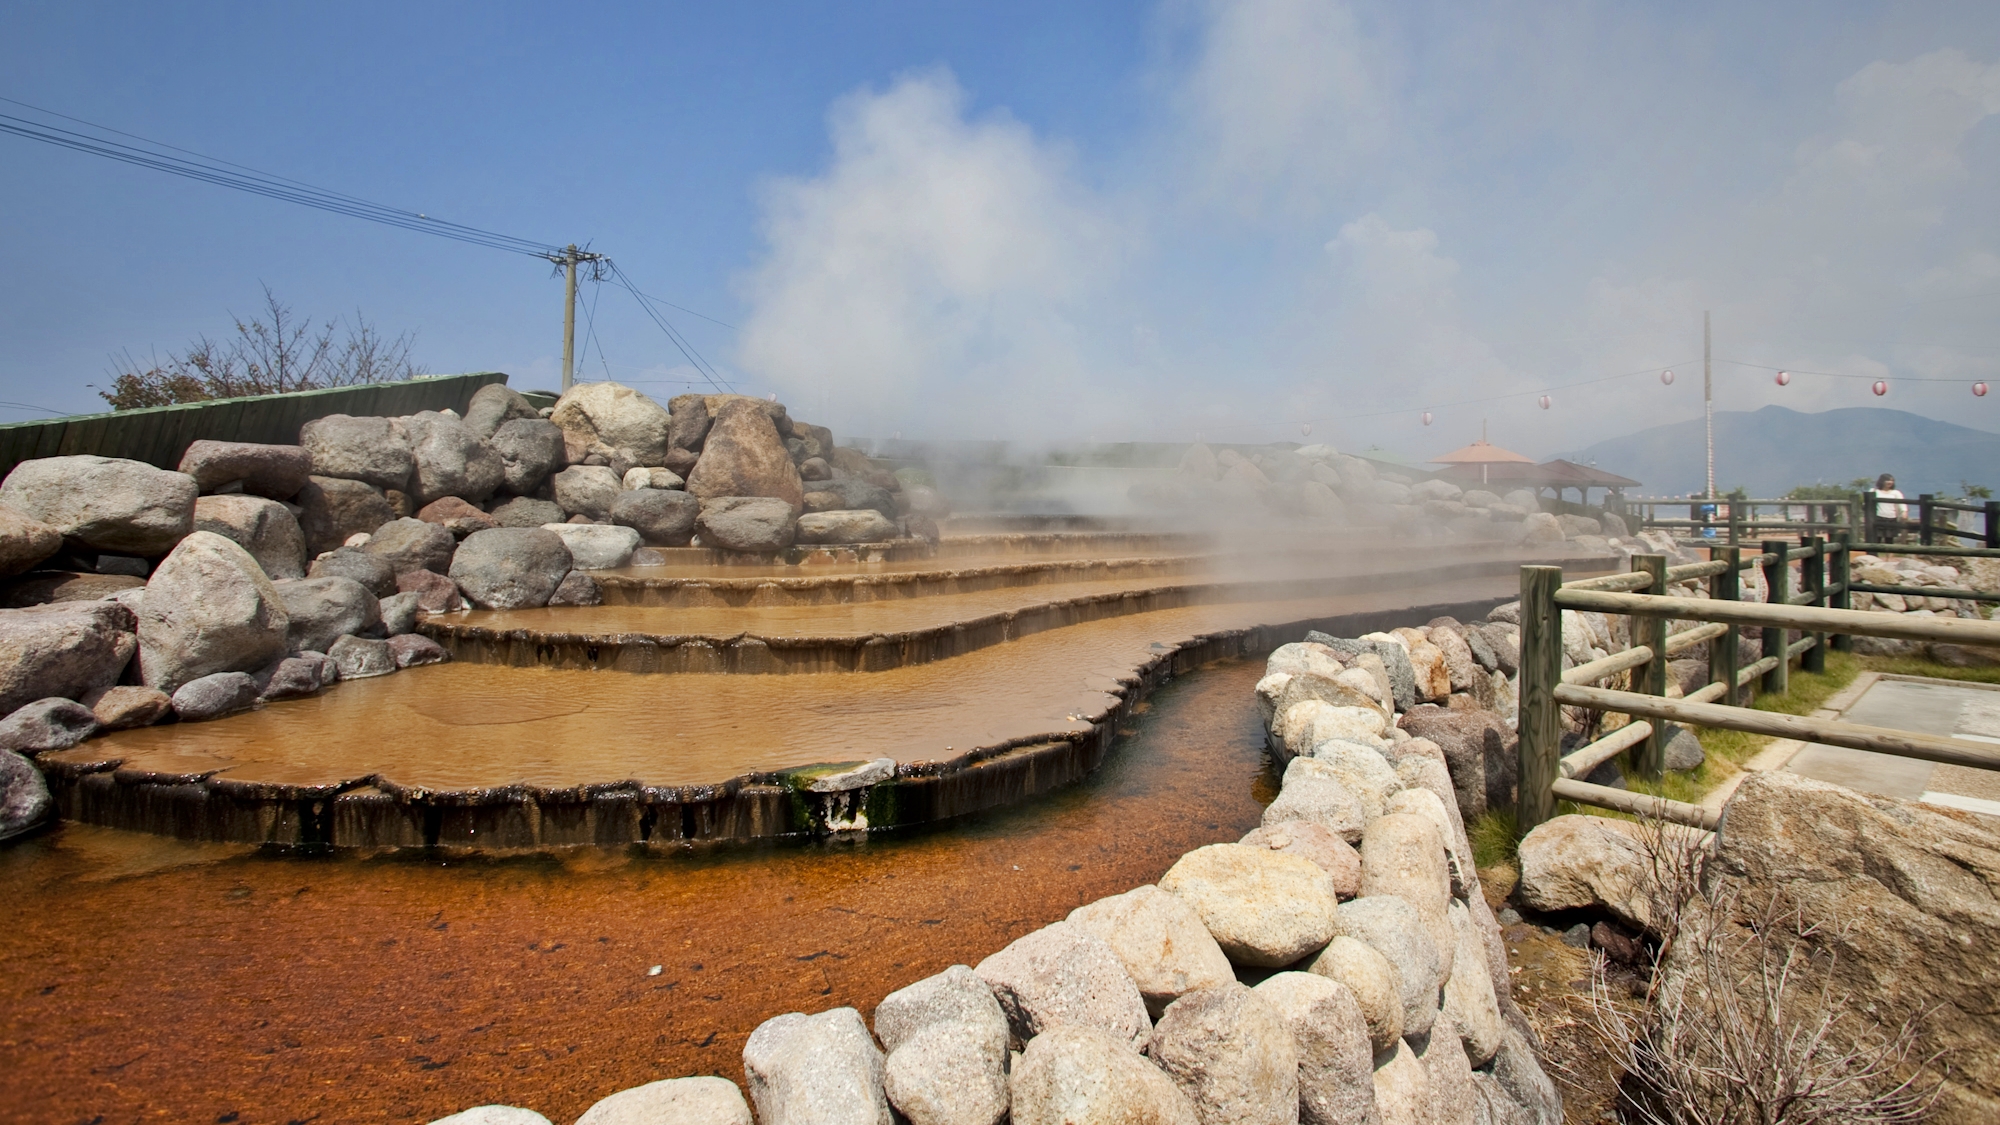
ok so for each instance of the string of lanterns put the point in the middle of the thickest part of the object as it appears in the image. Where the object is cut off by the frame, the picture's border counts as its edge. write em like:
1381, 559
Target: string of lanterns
1880, 387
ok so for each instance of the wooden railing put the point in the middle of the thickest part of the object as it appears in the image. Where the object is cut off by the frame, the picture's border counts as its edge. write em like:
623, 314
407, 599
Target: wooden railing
1738, 521
1818, 610
1877, 528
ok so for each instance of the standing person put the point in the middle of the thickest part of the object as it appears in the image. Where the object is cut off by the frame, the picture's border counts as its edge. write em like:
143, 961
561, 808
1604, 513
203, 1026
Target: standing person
1885, 490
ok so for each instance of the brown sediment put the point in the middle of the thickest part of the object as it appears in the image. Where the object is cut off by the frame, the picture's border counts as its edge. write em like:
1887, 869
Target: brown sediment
519, 756
149, 979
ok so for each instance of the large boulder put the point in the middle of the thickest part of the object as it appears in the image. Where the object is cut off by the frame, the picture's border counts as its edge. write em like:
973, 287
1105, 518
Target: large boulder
1077, 1075
521, 511
104, 503
815, 1070
322, 610
1308, 840
1572, 862
1470, 1002
275, 472
208, 608
850, 494
24, 796
412, 544
1166, 950
757, 524
947, 1043
332, 509
1403, 1089
1313, 794
376, 451
67, 649
1374, 982
1064, 974
448, 459
1394, 928
510, 567
1479, 750
127, 706
1264, 908
47, 724
215, 695
1403, 854
1230, 1052
705, 1100
587, 490
689, 425
513, 1115
456, 516
265, 528
596, 546
745, 456
530, 449
494, 405
614, 422
1904, 897
662, 517
25, 541
1336, 1059
864, 525
374, 573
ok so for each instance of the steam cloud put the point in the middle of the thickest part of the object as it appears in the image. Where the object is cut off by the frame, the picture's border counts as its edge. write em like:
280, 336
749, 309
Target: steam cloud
1337, 209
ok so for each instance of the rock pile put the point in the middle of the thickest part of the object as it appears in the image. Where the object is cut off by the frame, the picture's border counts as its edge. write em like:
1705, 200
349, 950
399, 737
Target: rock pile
1339, 964
263, 572
1318, 484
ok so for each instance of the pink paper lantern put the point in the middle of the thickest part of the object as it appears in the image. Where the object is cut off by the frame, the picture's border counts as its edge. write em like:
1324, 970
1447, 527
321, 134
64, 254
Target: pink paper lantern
1979, 390
1784, 378
1427, 414
1545, 402
1667, 378
1881, 388
1305, 429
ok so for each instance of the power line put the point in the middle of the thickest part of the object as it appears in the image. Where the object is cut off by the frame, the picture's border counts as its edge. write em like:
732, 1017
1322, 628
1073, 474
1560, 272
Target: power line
1847, 374
1488, 398
687, 350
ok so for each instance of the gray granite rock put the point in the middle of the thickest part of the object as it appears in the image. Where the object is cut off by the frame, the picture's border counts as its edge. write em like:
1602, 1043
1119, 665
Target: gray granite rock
662, 517
322, 610
1403, 1088
746, 523
46, 724
499, 1115
374, 573
587, 490
435, 592
1334, 855
494, 405
208, 608
816, 1070
1064, 974
359, 658
449, 459
215, 695
376, 451
298, 676
1077, 1075
510, 567
523, 511
614, 422
275, 472
578, 588
25, 541
1231, 1054
1161, 941
412, 544
24, 796
595, 546
1374, 982
105, 503
411, 650
674, 1101
265, 528
1394, 928
128, 706
1265, 908
1336, 1058
65, 649
864, 525
332, 509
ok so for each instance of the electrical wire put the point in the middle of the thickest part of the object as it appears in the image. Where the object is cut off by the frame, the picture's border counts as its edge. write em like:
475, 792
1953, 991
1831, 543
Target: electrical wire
1847, 374
1477, 401
687, 349
590, 326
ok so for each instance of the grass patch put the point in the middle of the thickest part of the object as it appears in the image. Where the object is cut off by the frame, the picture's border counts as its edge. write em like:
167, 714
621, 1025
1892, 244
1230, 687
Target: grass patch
1493, 839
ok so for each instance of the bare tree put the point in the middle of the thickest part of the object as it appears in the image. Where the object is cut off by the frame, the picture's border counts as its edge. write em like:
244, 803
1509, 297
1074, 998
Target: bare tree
1741, 1023
273, 352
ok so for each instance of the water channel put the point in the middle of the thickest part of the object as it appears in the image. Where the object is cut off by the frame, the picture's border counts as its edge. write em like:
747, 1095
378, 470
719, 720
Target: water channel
150, 979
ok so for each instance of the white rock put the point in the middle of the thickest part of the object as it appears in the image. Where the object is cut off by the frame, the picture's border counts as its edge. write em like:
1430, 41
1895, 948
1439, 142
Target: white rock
1230, 1052
1064, 974
1373, 981
1365, 772
1161, 941
1074, 1075
1393, 928
816, 1070
1403, 855
1264, 908
1336, 1059
1313, 792
596, 546
682, 1101
1403, 1089
1469, 1000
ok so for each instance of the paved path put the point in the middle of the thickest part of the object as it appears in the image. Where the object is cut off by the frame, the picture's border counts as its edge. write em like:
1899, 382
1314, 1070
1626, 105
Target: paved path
1946, 707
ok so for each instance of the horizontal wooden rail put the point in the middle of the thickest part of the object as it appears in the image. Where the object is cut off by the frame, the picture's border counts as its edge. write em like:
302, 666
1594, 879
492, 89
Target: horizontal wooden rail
1723, 523
1925, 592
1608, 665
1708, 694
1829, 732
1799, 646
1951, 630
1755, 669
1686, 571
1688, 638
1579, 762
1638, 804
1628, 581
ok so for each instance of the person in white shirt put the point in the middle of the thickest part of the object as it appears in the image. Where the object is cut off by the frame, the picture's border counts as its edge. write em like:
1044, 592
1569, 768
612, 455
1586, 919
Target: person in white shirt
1885, 490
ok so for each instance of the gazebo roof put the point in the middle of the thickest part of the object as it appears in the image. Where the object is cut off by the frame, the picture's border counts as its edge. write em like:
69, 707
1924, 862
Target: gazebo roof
1482, 452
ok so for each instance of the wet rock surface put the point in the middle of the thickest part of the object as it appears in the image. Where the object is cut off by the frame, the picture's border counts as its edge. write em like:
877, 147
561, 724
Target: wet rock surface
46, 724
510, 568
24, 796
215, 695
127, 706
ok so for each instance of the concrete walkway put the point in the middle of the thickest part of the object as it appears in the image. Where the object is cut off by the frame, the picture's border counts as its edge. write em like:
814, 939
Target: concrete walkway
1943, 707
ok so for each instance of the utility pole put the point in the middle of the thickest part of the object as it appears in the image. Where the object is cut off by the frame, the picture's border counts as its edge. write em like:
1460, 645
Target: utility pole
567, 262
1709, 405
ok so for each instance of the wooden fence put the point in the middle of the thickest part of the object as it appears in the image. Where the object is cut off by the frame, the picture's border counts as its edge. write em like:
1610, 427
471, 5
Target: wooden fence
158, 435
1818, 611
1739, 521
1927, 527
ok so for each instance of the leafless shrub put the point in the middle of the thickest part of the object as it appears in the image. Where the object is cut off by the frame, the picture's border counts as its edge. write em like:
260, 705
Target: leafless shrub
1741, 1023
272, 353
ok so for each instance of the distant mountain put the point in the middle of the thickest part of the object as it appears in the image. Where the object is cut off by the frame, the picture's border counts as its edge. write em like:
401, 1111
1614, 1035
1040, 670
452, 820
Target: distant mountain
1770, 451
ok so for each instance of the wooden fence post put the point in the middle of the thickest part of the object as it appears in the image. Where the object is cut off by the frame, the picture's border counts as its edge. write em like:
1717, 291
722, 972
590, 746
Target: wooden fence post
1812, 574
1924, 517
1868, 517
1651, 677
1993, 524
1777, 591
1735, 523
1837, 574
1723, 654
1540, 724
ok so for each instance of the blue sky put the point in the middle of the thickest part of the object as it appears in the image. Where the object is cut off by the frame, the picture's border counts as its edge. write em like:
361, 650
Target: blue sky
1056, 221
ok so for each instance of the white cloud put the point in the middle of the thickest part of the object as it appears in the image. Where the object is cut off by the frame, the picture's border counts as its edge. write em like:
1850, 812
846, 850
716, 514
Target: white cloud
929, 277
